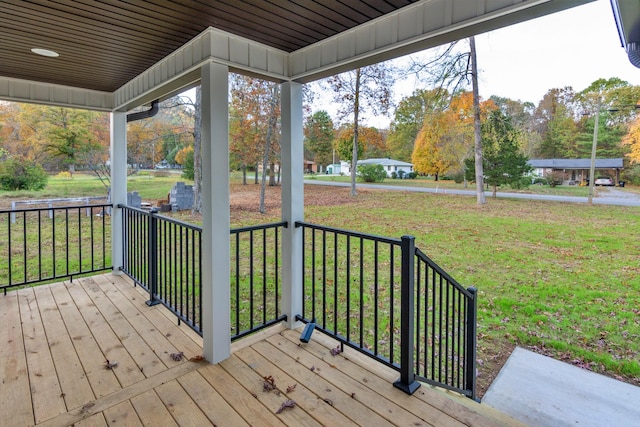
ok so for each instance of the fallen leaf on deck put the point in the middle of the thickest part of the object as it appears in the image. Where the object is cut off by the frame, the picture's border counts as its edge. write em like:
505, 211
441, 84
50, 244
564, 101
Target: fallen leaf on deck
198, 358
110, 365
291, 388
286, 404
268, 384
336, 351
177, 356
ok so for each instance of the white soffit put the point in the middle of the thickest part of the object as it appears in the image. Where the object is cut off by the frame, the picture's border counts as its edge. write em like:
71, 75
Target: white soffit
420, 26
50, 94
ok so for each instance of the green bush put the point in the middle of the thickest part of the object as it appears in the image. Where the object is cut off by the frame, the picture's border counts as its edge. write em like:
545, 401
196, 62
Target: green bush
521, 183
457, 177
394, 175
412, 175
555, 178
371, 173
631, 175
20, 174
187, 167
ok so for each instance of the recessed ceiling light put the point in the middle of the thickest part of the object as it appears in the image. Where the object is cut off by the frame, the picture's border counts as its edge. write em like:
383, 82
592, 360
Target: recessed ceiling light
45, 52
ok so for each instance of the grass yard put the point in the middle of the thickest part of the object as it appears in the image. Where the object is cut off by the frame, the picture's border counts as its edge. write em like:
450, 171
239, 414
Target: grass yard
560, 279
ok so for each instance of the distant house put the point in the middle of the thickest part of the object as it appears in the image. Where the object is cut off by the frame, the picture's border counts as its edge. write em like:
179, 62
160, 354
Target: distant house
342, 168
390, 166
310, 166
577, 170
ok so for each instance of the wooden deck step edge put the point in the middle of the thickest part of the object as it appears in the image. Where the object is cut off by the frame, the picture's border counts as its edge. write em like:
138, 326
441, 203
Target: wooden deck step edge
489, 411
391, 375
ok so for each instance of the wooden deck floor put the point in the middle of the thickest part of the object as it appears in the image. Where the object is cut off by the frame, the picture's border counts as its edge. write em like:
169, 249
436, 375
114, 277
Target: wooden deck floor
55, 341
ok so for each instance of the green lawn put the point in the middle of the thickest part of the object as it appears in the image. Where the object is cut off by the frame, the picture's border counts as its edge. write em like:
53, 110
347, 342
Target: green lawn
563, 279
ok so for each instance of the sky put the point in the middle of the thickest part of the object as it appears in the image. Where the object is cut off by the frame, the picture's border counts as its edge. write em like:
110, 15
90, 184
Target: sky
570, 48
524, 61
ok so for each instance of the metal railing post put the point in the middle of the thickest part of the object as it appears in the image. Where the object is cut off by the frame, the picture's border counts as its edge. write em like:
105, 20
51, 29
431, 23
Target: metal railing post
407, 381
152, 255
470, 341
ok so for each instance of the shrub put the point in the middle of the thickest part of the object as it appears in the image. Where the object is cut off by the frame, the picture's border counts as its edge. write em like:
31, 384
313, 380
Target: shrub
64, 175
412, 175
555, 178
457, 177
394, 175
20, 174
521, 183
371, 173
631, 175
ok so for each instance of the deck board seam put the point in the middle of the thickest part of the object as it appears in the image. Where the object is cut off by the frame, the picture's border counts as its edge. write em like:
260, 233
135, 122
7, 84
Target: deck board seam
117, 397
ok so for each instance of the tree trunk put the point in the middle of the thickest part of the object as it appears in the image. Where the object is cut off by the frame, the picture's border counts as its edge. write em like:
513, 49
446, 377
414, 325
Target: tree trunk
197, 157
476, 125
244, 174
267, 146
354, 157
272, 175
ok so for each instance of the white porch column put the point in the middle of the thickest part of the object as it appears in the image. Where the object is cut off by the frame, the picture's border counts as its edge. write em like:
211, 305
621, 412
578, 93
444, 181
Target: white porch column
216, 251
118, 163
292, 200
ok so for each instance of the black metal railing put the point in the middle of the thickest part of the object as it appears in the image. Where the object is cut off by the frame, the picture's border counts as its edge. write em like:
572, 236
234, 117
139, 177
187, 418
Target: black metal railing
163, 256
44, 244
445, 328
256, 278
384, 298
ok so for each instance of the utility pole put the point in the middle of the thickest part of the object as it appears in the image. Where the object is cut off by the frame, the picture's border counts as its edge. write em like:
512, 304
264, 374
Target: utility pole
594, 145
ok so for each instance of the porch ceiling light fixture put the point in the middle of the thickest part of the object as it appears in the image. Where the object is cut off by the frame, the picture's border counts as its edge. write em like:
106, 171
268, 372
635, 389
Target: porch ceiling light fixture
45, 52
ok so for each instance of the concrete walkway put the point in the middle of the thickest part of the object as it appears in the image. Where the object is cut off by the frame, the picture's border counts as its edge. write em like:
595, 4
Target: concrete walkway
544, 392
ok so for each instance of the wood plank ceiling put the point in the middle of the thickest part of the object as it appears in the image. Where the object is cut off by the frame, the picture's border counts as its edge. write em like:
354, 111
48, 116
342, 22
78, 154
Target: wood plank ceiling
105, 43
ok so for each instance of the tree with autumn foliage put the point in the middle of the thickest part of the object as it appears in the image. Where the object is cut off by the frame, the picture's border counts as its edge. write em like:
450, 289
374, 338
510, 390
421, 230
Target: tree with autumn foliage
504, 163
632, 141
366, 89
252, 113
452, 69
408, 120
446, 139
318, 138
55, 137
370, 143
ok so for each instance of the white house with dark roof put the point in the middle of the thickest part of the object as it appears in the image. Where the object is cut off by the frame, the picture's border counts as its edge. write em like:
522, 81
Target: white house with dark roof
390, 166
577, 170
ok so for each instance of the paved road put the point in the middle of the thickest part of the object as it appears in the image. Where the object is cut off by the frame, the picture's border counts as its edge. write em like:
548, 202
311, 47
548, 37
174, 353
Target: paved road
605, 195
